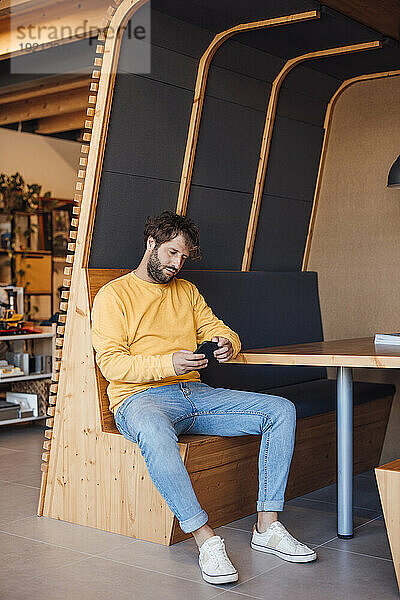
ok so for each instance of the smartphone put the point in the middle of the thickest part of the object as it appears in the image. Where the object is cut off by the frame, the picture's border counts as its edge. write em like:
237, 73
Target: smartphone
207, 348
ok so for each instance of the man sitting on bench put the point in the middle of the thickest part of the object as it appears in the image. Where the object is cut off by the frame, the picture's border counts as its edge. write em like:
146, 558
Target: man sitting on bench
146, 326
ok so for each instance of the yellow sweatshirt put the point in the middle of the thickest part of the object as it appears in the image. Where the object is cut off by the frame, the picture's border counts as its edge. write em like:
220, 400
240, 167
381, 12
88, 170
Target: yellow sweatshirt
138, 325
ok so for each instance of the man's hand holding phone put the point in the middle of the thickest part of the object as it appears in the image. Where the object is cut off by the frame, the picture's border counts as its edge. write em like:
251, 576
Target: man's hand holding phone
225, 349
185, 361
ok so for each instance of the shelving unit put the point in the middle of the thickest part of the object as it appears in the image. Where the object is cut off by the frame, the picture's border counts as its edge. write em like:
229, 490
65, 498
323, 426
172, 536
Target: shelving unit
29, 336
41, 256
24, 378
47, 333
24, 420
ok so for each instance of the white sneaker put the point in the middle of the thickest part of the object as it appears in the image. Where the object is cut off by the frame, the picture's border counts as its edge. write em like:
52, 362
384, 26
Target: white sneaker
277, 540
214, 563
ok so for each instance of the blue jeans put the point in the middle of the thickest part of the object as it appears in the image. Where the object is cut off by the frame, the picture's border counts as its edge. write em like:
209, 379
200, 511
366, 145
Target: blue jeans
156, 417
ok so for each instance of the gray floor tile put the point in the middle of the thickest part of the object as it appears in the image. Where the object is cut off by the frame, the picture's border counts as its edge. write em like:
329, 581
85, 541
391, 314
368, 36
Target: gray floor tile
182, 559
370, 539
100, 579
365, 494
141, 570
32, 480
17, 501
335, 575
6, 452
20, 437
368, 474
68, 535
309, 521
19, 466
23, 559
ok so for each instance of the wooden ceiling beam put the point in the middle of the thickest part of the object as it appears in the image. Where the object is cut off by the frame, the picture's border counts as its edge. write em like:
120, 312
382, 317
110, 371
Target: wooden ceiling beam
8, 7
49, 24
45, 86
64, 122
44, 106
382, 15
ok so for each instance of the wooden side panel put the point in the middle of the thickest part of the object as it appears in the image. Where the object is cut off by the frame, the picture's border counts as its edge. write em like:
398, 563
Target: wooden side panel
94, 478
388, 477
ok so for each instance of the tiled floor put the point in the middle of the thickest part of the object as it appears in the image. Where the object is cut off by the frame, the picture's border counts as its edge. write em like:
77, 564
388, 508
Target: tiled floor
60, 561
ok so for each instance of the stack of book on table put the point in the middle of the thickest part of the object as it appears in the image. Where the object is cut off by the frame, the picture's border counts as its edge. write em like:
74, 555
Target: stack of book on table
390, 339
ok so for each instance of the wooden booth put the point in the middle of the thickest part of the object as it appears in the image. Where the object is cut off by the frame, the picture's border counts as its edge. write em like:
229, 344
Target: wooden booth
230, 125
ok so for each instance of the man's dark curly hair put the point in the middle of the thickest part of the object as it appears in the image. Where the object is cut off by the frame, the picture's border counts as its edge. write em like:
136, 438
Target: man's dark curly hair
168, 225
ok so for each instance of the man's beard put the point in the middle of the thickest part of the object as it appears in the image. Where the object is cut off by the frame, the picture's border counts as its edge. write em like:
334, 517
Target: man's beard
155, 268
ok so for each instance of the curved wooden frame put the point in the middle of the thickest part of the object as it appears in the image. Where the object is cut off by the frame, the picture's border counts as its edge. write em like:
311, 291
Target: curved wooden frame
268, 131
327, 126
200, 91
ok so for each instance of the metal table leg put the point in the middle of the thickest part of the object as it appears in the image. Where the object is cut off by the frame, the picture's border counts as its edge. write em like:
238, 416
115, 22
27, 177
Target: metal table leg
345, 451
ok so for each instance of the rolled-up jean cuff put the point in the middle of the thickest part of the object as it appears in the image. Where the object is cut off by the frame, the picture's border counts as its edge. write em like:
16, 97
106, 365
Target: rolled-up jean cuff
270, 505
194, 522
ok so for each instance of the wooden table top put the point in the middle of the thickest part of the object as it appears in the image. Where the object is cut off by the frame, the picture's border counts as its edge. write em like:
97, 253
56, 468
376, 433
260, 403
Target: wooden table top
357, 352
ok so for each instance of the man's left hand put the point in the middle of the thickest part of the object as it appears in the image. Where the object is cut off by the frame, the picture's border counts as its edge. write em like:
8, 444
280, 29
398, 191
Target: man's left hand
225, 350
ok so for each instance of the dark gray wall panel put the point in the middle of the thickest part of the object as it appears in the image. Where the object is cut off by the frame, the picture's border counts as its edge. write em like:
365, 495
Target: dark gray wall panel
174, 68
123, 205
281, 234
238, 88
148, 127
294, 158
228, 146
248, 61
265, 309
222, 218
312, 83
167, 66
386, 58
170, 32
220, 14
301, 107
265, 67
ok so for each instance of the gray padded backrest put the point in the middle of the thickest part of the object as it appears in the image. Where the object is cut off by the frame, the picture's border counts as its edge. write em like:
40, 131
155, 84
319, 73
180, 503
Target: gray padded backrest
265, 309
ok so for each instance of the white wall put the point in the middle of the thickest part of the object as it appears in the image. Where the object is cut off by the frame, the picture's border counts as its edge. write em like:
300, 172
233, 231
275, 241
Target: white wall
50, 162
